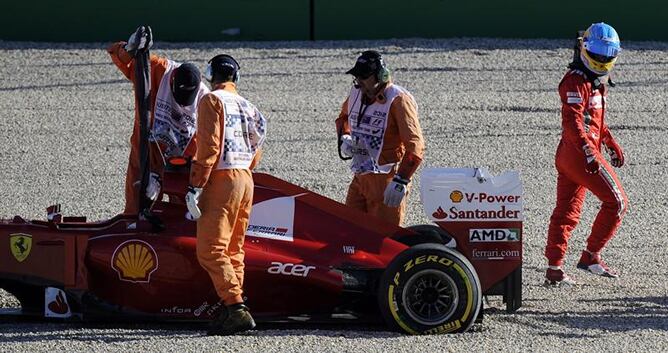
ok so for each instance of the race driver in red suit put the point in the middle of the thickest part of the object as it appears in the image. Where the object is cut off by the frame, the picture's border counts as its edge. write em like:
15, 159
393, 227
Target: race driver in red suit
579, 161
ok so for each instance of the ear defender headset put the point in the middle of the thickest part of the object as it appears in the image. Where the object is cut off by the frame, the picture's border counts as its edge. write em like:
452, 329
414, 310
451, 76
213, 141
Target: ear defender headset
383, 73
378, 64
222, 64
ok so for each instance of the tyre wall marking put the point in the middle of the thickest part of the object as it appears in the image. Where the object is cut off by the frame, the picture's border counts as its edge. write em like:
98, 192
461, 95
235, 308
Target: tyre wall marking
394, 309
427, 258
469, 291
446, 328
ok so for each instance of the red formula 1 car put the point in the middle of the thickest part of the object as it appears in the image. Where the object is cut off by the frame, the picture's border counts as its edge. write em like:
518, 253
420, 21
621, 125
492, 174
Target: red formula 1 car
307, 256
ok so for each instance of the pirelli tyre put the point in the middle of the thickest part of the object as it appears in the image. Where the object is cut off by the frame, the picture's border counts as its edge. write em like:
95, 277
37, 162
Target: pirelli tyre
429, 289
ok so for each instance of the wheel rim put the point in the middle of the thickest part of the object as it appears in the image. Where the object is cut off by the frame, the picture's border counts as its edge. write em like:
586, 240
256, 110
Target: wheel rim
430, 297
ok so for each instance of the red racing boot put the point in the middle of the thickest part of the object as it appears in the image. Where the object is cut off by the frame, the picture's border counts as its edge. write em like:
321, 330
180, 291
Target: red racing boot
592, 262
555, 276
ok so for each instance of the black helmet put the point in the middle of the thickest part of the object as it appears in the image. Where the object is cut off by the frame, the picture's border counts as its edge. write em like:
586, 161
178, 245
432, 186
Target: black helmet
222, 68
185, 83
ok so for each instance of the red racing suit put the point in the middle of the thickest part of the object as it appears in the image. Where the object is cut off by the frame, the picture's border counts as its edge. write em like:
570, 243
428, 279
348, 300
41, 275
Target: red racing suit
583, 123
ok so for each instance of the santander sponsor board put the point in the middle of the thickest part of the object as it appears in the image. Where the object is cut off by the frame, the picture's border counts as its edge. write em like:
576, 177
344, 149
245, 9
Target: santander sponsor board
471, 194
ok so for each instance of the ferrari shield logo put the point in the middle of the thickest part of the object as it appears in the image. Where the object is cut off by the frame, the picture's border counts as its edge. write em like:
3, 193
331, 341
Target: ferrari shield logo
20, 244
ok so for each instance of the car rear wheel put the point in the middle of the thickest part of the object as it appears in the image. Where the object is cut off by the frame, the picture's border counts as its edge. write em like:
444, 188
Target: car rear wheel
429, 289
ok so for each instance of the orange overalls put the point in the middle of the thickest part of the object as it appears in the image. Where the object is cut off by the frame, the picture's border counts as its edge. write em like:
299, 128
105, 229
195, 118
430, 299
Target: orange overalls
226, 199
125, 64
402, 145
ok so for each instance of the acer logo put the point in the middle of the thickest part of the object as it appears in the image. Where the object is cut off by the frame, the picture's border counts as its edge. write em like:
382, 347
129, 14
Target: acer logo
288, 269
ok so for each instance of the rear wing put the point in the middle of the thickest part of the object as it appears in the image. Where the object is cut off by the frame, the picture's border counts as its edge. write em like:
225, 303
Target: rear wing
484, 214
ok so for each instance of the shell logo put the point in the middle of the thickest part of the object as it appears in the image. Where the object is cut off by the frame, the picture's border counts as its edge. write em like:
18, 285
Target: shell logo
134, 261
456, 196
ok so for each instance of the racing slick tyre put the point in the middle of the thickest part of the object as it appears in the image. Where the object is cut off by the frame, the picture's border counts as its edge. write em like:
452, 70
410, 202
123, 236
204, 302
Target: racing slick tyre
429, 289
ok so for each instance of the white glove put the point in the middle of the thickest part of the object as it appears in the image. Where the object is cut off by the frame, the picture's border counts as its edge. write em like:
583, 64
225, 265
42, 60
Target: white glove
154, 186
192, 199
347, 146
395, 191
142, 38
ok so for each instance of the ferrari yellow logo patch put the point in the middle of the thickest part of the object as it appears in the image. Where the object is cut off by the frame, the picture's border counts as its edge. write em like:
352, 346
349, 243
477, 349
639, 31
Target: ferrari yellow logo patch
20, 244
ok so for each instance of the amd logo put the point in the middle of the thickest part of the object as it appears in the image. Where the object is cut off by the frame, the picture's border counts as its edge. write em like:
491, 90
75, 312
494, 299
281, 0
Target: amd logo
494, 235
288, 269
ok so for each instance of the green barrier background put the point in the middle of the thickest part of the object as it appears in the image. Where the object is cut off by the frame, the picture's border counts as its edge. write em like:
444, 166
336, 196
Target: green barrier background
224, 20
171, 20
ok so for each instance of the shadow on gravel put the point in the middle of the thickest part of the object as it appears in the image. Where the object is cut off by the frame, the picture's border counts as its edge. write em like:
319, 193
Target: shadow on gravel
61, 85
28, 329
44, 332
618, 315
25, 332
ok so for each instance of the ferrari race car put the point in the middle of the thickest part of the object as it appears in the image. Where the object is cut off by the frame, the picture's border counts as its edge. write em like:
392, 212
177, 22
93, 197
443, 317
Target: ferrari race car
307, 257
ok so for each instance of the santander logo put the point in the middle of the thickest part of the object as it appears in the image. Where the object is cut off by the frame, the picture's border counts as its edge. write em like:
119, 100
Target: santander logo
59, 305
439, 214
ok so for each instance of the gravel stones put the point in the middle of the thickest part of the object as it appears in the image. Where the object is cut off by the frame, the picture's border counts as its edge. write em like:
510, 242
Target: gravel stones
66, 115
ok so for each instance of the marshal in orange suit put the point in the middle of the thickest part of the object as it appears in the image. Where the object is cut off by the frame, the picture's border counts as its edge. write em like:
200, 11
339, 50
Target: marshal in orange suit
176, 89
230, 133
379, 130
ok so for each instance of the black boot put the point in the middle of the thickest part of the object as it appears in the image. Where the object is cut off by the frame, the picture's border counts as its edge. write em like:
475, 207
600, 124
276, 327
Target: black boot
234, 319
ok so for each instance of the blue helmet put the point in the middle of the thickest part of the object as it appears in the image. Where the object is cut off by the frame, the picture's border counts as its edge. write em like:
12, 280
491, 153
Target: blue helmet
600, 47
